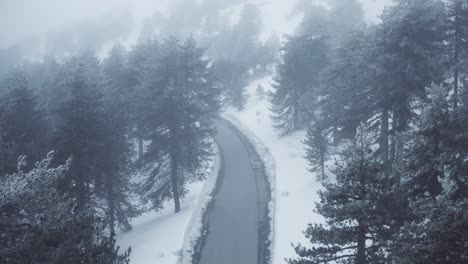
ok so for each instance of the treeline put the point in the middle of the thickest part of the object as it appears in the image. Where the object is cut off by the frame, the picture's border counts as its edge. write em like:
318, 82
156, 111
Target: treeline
390, 103
241, 56
144, 113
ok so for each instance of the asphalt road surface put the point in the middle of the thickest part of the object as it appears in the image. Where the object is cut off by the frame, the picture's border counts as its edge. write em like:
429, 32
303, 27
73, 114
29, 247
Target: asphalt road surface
233, 222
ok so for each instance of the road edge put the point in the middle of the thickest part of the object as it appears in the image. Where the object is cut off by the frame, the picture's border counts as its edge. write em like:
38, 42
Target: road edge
196, 230
267, 224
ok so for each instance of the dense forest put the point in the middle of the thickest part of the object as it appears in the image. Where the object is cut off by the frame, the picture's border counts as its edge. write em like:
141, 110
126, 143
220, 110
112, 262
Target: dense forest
88, 143
387, 106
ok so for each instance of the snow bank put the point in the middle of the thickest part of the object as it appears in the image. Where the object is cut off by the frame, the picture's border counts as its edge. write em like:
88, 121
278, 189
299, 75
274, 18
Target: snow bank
157, 237
195, 226
294, 188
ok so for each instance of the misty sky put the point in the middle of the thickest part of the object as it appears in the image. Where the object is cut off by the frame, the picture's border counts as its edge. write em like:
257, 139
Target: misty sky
39, 25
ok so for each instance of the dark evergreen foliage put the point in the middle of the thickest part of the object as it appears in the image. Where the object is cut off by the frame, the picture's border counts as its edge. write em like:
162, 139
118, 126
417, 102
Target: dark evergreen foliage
393, 97
403, 82
23, 124
78, 134
318, 150
302, 61
355, 209
233, 79
183, 100
116, 145
435, 179
457, 34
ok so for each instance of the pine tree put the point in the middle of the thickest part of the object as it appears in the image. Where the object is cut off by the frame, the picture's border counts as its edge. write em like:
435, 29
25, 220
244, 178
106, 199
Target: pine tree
317, 149
139, 60
40, 224
44, 79
458, 42
232, 79
437, 234
424, 165
115, 147
184, 101
416, 197
435, 179
354, 207
412, 39
346, 94
260, 92
333, 23
377, 73
269, 54
302, 61
240, 43
345, 16
79, 133
23, 127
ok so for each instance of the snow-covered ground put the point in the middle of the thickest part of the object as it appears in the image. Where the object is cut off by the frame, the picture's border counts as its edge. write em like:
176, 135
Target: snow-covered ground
295, 187
167, 238
160, 237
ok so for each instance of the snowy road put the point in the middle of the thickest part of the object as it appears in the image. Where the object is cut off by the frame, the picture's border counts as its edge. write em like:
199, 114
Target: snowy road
239, 202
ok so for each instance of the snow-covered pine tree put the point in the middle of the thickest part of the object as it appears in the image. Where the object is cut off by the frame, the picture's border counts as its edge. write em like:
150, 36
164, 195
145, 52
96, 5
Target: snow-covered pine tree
424, 167
40, 224
435, 177
437, 234
303, 59
354, 208
317, 149
183, 101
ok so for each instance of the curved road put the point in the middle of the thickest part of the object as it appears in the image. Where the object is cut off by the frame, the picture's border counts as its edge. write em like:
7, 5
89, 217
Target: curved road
239, 201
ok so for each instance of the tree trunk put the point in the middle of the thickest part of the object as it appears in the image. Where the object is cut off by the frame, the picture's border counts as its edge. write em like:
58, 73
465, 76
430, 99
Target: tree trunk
384, 130
111, 201
456, 57
173, 155
336, 138
455, 89
140, 141
175, 184
80, 187
322, 164
399, 125
2, 158
140, 147
392, 140
361, 228
296, 113
361, 244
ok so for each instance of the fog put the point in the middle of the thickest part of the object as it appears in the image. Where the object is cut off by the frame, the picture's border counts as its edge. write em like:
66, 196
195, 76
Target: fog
55, 27
233, 131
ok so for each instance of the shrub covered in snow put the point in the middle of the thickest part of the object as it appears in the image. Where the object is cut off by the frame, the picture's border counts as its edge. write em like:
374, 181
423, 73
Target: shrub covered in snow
40, 224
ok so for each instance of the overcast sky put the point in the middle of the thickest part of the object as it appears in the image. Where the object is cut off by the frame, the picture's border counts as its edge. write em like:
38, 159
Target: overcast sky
55, 23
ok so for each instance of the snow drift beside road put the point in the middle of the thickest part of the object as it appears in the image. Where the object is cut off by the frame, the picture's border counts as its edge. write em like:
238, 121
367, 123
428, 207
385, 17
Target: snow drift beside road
164, 237
295, 187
